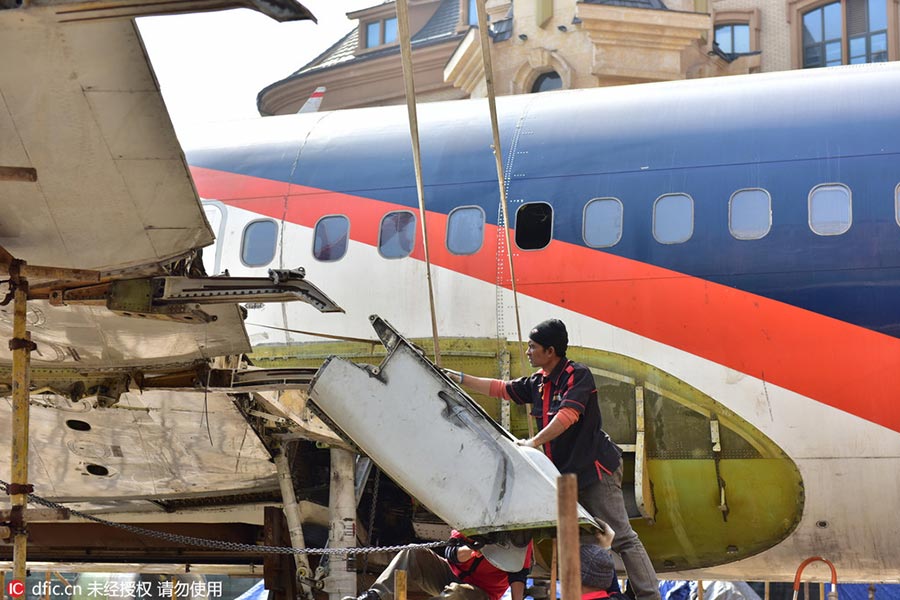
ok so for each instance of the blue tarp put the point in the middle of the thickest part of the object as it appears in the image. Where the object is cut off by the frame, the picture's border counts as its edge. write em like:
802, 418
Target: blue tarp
257, 592
739, 590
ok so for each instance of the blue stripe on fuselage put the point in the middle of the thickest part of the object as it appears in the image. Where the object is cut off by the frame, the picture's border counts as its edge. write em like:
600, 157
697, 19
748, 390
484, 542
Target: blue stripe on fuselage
706, 139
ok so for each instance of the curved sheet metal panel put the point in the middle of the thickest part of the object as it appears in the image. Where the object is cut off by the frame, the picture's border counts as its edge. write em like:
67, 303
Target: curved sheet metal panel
436, 443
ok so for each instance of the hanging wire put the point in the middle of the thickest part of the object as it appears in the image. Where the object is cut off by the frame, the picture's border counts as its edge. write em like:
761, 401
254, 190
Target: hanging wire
495, 132
409, 83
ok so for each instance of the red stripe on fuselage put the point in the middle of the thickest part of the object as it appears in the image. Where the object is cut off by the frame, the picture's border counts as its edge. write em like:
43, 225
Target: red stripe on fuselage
845, 366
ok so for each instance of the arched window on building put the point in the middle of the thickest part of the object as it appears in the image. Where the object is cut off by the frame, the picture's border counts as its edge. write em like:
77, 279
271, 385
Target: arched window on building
827, 42
546, 82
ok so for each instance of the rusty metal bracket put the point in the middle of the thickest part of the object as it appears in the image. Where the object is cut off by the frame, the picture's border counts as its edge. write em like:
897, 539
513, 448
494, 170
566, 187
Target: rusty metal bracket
14, 269
19, 343
19, 488
15, 520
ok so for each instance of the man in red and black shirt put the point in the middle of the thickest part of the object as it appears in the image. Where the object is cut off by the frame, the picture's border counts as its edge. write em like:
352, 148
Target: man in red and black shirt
563, 396
463, 573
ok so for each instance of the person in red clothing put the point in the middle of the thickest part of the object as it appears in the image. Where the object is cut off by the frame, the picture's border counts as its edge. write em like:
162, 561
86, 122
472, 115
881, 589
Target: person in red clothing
563, 398
463, 573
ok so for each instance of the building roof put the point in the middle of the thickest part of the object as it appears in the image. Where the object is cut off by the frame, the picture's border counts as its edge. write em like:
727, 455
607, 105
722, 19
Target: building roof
651, 4
440, 27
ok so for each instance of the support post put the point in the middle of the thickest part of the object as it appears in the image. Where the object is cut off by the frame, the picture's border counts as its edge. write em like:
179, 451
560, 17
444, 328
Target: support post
342, 508
567, 534
400, 585
554, 566
292, 512
21, 367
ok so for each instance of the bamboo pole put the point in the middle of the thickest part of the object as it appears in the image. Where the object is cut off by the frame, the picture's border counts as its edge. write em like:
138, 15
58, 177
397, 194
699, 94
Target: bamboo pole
567, 534
409, 84
488, 65
400, 585
554, 552
20, 390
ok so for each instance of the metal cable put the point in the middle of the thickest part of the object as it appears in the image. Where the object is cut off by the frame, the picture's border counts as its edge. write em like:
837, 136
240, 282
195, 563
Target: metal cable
409, 83
495, 131
218, 544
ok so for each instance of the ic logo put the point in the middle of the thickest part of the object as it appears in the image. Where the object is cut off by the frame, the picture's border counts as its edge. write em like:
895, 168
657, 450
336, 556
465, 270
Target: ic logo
15, 588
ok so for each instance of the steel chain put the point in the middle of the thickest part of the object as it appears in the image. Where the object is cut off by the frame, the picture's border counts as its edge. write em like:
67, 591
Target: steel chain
374, 504
218, 544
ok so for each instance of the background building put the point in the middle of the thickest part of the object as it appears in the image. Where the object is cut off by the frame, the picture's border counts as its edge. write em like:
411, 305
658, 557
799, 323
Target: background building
540, 45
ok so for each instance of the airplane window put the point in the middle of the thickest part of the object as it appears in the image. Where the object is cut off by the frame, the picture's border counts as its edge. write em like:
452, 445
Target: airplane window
534, 225
897, 203
258, 245
602, 222
830, 209
465, 230
330, 238
673, 218
750, 214
215, 215
397, 234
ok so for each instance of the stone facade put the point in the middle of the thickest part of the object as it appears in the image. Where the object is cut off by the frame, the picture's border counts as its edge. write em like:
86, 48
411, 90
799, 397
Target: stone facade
587, 44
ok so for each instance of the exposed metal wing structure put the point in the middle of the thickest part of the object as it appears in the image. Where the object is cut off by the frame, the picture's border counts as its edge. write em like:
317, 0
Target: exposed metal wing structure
101, 235
92, 176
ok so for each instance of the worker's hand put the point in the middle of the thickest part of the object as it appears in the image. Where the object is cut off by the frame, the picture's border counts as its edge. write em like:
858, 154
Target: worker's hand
464, 554
453, 375
605, 538
528, 443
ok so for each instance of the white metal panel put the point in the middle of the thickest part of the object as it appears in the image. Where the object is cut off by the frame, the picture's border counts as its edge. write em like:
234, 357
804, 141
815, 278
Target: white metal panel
154, 445
94, 337
437, 444
85, 112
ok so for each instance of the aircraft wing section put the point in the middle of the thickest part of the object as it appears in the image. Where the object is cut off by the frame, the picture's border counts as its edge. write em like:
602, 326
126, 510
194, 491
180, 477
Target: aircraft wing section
93, 177
91, 172
436, 443
153, 444
94, 337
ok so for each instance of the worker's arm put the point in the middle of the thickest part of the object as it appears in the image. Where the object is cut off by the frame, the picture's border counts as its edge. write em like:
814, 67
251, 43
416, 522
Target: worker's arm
517, 590
518, 580
482, 385
557, 425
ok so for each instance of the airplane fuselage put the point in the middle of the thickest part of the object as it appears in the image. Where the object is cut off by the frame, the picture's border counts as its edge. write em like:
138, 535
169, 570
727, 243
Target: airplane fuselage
729, 246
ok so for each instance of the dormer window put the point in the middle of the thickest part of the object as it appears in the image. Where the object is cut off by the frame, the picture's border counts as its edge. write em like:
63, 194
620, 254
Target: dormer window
381, 32
473, 13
